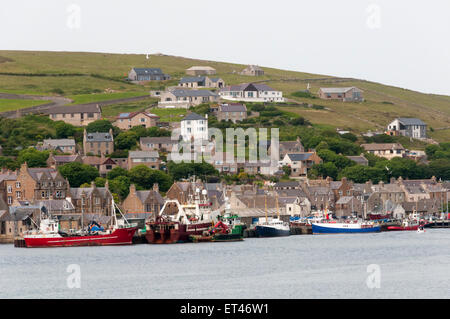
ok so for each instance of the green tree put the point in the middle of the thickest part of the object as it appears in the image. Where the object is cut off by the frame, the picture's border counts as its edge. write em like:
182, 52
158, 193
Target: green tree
101, 126
64, 130
126, 140
145, 177
33, 157
116, 172
120, 185
78, 173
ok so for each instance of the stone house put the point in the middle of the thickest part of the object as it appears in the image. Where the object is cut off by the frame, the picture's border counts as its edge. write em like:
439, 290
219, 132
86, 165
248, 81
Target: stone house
234, 112
186, 98
198, 82
201, 70
77, 115
161, 144
386, 150
147, 201
148, 158
54, 161
147, 74
300, 163
67, 145
289, 147
347, 94
410, 127
125, 121
35, 184
91, 200
98, 143
253, 70
251, 92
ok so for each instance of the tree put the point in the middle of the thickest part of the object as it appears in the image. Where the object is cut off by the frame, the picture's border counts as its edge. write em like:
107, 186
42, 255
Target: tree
120, 185
33, 157
185, 170
126, 140
64, 130
324, 170
78, 173
145, 177
101, 126
116, 172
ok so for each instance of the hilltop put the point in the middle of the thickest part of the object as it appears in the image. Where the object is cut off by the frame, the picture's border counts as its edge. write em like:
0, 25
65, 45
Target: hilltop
85, 77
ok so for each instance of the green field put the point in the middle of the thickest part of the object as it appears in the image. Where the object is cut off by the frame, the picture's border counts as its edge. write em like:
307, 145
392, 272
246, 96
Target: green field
100, 97
11, 105
77, 75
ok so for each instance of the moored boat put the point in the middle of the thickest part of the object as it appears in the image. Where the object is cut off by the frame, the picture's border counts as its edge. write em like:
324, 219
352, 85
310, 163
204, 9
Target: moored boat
49, 234
191, 219
341, 227
272, 227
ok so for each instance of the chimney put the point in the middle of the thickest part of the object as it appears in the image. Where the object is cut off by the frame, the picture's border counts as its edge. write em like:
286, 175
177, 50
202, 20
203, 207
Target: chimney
132, 189
156, 187
107, 185
93, 184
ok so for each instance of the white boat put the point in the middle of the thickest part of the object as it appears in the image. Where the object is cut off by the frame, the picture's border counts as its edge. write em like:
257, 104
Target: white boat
272, 227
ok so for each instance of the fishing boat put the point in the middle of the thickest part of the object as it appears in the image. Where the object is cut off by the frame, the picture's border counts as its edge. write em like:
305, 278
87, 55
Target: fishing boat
49, 234
272, 227
220, 232
344, 227
411, 224
191, 219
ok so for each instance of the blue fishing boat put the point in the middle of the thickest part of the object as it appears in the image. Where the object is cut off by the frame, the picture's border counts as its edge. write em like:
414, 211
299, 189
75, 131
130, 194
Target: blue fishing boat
338, 228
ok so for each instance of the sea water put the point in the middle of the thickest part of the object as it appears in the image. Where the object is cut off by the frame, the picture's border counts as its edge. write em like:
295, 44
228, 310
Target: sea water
379, 265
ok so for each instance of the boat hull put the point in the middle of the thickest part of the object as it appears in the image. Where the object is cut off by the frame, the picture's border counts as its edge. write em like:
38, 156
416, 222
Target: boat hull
266, 231
341, 229
158, 233
403, 228
121, 236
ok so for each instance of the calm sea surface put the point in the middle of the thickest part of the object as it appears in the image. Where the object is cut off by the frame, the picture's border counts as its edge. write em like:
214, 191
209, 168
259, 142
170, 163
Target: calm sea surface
411, 265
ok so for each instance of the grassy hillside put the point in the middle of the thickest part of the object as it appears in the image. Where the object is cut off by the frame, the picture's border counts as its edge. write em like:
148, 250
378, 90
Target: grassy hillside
86, 76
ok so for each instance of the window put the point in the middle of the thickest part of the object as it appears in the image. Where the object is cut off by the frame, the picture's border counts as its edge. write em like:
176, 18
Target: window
18, 195
9, 189
9, 200
17, 184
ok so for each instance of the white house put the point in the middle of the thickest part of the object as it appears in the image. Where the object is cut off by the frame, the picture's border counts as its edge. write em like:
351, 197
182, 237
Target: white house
194, 126
251, 92
410, 127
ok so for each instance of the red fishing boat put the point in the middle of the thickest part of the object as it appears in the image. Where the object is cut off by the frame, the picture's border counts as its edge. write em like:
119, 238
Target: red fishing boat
192, 219
49, 235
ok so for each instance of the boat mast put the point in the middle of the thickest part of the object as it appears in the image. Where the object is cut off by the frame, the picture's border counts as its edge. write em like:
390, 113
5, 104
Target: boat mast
278, 209
265, 206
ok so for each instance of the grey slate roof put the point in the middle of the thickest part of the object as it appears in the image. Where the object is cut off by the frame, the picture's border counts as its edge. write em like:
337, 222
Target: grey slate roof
233, 108
299, 156
145, 71
190, 79
60, 142
144, 154
158, 140
99, 137
193, 117
411, 121
195, 93
338, 90
86, 108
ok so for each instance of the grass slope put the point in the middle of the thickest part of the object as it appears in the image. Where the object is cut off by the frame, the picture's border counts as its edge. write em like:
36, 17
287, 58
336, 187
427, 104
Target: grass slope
75, 73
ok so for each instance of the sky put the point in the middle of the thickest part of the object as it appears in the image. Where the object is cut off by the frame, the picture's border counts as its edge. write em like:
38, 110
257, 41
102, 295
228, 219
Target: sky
404, 43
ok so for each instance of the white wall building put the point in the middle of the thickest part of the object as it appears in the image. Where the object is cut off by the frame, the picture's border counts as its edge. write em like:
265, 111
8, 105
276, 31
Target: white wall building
194, 126
251, 92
